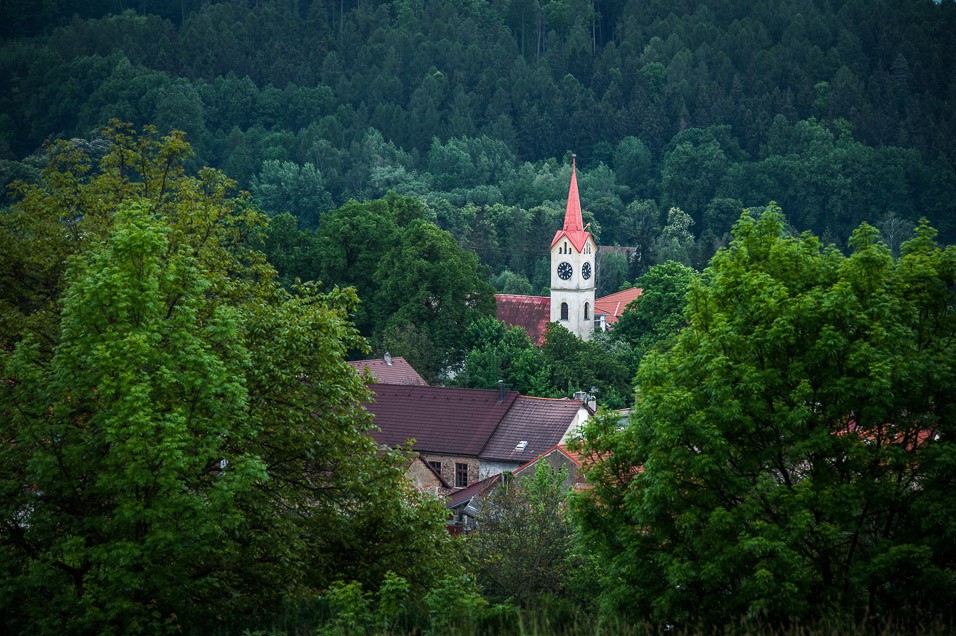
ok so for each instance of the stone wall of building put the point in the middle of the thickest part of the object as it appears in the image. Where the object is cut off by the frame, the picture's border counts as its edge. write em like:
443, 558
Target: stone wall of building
448, 467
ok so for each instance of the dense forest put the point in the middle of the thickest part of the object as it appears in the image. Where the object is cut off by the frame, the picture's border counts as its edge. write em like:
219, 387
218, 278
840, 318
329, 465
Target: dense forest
839, 111
213, 204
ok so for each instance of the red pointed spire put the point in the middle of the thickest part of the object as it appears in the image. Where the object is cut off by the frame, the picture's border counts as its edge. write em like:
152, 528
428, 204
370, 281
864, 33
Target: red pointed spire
572, 214
573, 228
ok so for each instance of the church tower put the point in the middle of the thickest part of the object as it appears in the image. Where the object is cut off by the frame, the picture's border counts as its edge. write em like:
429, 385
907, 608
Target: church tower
572, 269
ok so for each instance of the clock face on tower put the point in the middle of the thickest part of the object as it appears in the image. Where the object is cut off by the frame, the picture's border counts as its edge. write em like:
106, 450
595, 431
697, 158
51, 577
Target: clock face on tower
564, 271
586, 271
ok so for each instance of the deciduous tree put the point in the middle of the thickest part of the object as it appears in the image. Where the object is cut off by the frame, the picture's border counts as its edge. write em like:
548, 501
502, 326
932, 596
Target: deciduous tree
791, 454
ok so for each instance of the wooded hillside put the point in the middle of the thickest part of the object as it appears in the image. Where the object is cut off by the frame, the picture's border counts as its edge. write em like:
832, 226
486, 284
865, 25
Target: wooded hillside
839, 111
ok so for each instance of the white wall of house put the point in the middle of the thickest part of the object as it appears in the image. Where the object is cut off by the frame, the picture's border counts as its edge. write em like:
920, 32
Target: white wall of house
491, 468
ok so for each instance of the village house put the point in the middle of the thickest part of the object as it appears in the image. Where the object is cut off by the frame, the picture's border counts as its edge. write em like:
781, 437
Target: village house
467, 435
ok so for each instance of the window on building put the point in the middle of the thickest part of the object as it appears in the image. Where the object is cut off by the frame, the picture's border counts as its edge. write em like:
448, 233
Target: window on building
461, 475
587, 311
436, 466
564, 311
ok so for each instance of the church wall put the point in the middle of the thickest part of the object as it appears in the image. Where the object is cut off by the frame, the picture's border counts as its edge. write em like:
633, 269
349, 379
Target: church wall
576, 290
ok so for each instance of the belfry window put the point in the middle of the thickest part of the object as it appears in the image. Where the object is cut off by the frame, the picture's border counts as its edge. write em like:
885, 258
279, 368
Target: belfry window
587, 311
564, 311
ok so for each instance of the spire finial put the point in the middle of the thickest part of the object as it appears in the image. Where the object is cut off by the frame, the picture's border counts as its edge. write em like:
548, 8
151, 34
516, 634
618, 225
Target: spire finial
574, 161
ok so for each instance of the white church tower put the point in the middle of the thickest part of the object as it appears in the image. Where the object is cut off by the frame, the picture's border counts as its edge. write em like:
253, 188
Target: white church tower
572, 269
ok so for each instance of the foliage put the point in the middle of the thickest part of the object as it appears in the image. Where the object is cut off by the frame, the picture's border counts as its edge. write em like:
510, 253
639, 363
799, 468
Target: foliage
524, 548
838, 110
454, 605
355, 612
788, 456
427, 282
657, 315
586, 365
420, 290
183, 442
497, 352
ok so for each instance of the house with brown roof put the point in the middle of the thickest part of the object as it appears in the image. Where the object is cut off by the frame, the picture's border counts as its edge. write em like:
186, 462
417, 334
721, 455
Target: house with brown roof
389, 370
531, 426
467, 435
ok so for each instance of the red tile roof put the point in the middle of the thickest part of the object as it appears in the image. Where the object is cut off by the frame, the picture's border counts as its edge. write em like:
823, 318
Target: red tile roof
573, 456
539, 423
573, 229
398, 372
440, 420
531, 313
613, 305
469, 492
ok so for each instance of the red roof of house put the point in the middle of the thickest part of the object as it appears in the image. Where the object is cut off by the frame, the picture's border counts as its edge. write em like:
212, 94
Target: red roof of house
574, 456
469, 492
531, 426
573, 228
613, 305
440, 420
390, 370
531, 313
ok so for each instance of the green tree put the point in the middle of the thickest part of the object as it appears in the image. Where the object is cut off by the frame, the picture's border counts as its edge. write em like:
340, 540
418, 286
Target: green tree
580, 365
524, 547
128, 434
498, 353
426, 281
293, 252
657, 315
283, 186
184, 443
792, 444
675, 242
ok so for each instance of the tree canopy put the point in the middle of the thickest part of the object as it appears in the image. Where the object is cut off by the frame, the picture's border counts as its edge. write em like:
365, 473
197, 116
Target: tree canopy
839, 110
791, 454
182, 440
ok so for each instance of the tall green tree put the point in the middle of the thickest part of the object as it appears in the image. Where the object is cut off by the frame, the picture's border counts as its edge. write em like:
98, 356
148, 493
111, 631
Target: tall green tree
583, 365
498, 353
183, 442
790, 454
515, 564
657, 315
427, 282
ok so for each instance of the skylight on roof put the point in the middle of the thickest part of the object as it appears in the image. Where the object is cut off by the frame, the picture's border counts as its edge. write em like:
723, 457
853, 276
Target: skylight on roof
520, 446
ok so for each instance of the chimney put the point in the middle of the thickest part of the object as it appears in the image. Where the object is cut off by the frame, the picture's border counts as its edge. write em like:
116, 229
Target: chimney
501, 391
388, 358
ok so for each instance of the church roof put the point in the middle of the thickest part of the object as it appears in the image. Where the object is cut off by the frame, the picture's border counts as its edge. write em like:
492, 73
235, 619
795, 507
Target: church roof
531, 426
390, 370
613, 305
573, 228
531, 313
